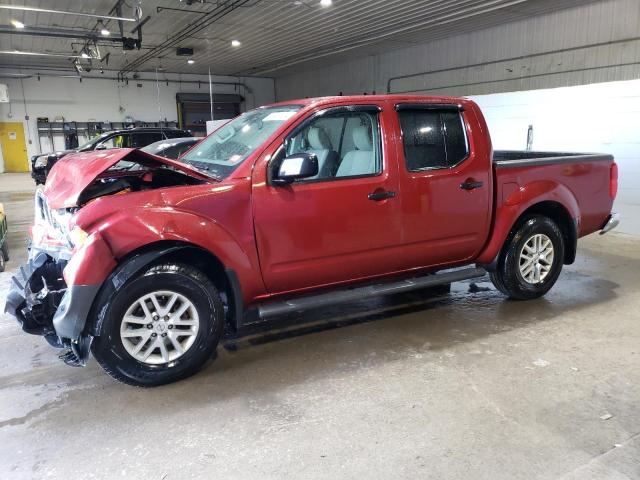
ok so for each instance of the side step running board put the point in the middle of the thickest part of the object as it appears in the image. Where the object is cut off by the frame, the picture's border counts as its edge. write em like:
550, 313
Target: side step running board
341, 296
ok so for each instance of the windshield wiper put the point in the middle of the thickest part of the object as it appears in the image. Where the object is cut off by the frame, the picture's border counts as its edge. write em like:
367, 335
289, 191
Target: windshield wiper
204, 168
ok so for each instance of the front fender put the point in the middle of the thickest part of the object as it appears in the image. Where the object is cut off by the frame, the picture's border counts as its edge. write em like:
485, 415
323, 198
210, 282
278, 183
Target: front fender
128, 231
514, 200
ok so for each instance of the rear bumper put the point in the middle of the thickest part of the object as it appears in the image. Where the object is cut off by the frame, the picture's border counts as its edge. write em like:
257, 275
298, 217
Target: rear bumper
612, 222
42, 303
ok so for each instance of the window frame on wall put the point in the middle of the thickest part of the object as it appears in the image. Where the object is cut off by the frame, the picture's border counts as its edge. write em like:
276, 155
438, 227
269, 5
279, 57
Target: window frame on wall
439, 109
373, 110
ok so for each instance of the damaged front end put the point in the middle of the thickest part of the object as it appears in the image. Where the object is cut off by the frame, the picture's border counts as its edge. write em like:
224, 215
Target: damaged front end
53, 294
39, 297
41, 302
36, 291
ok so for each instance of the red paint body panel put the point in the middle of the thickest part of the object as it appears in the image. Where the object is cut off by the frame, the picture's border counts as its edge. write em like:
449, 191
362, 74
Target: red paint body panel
91, 264
443, 224
582, 188
282, 240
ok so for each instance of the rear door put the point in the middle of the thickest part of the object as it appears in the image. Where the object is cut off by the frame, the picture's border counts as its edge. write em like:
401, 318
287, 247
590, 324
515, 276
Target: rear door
343, 224
445, 185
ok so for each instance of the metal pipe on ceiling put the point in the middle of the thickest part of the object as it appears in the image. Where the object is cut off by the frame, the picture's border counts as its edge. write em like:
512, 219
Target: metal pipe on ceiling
63, 12
39, 54
193, 28
116, 79
58, 33
522, 77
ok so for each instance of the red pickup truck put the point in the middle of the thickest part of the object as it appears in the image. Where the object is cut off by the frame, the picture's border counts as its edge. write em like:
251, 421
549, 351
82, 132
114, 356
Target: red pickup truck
147, 262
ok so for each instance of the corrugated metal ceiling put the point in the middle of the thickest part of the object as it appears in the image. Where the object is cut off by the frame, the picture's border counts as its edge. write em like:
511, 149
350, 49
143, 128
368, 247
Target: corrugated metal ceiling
278, 36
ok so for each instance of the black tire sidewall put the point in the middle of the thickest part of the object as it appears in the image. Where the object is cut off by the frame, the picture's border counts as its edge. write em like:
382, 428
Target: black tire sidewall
511, 277
110, 352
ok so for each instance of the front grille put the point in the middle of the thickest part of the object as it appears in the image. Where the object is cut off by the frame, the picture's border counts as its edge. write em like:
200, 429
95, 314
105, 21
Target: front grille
43, 214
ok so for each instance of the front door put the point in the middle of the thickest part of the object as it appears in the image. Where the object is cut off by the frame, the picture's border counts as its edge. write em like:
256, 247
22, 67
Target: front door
14, 148
341, 225
445, 186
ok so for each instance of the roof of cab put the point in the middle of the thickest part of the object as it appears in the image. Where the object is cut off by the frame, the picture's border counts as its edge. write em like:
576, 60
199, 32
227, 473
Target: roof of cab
315, 101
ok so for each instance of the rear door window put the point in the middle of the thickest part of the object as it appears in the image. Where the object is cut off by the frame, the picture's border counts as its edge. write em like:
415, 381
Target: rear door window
432, 139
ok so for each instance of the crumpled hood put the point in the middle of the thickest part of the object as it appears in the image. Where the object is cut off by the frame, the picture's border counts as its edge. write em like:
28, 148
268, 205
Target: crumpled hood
70, 176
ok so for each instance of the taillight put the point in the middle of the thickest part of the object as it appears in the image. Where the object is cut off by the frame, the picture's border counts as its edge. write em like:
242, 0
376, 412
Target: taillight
613, 181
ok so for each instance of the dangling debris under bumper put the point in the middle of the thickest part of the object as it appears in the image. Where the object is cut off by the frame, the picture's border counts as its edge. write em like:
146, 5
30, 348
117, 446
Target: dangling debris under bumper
43, 304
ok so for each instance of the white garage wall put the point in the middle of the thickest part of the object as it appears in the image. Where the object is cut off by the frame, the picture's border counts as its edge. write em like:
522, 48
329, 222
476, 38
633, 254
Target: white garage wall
106, 100
593, 43
590, 118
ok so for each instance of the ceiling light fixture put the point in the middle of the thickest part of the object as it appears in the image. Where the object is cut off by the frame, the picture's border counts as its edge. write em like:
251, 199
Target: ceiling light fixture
17, 24
191, 61
62, 12
326, 3
236, 43
39, 54
103, 29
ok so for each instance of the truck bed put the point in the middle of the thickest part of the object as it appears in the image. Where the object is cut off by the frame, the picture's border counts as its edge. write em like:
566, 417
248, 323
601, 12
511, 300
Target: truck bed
522, 158
579, 181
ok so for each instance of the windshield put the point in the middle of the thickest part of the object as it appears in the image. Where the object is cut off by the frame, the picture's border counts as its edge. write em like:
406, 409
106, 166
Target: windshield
224, 150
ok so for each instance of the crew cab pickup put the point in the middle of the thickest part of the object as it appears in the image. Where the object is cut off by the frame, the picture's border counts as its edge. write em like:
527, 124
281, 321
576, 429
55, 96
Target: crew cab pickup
148, 262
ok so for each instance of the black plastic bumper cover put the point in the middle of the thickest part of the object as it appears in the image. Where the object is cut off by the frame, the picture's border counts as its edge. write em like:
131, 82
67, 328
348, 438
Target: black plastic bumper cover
43, 313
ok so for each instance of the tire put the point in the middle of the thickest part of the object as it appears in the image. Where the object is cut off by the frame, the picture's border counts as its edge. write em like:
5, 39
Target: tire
523, 274
115, 347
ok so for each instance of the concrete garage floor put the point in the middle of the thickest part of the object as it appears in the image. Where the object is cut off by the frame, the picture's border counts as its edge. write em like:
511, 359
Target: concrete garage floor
460, 386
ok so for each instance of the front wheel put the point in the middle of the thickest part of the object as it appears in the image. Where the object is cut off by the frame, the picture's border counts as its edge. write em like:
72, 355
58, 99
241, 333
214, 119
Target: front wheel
531, 259
160, 327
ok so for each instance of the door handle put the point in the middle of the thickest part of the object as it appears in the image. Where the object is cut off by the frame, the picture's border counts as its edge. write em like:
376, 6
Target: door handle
378, 196
471, 185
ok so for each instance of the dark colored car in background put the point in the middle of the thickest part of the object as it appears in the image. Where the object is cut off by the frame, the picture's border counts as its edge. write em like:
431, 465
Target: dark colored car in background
128, 138
171, 148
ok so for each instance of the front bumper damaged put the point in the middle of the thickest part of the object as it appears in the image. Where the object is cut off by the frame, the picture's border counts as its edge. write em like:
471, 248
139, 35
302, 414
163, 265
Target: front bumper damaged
43, 304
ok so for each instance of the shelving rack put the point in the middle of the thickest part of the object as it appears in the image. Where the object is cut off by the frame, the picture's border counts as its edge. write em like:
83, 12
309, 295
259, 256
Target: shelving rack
87, 130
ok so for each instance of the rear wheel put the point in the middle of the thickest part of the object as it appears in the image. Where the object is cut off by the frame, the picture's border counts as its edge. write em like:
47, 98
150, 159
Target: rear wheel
531, 259
160, 327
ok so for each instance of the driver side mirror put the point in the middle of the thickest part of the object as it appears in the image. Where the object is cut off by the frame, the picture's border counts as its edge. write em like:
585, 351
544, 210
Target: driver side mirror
296, 167
102, 146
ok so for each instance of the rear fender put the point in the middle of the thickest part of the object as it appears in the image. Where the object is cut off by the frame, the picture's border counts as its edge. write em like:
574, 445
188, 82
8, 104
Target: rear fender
514, 201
